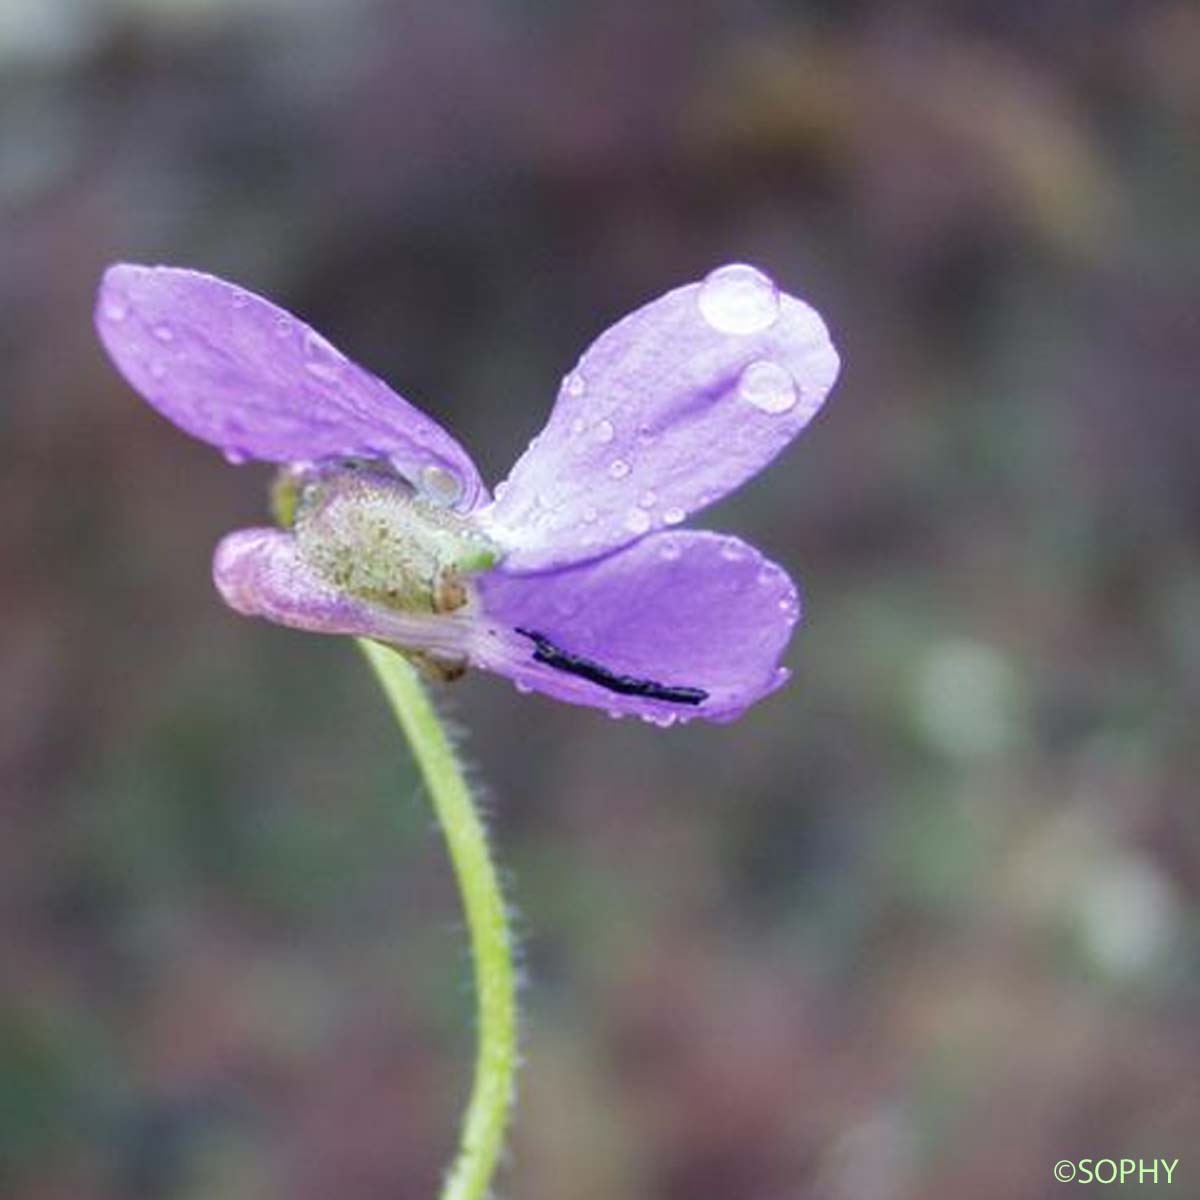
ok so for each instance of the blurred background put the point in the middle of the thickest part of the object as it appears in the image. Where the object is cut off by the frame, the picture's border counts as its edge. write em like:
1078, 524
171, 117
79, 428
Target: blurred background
918, 926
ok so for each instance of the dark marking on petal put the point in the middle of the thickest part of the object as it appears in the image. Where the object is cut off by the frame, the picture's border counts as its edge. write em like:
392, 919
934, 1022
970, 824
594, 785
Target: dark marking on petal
545, 651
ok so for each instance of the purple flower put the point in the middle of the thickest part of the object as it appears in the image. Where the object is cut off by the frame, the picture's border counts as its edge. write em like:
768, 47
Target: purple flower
575, 580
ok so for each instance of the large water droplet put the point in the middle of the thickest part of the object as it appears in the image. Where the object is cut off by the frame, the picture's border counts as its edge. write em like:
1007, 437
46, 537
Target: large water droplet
768, 386
618, 468
663, 719
574, 384
638, 521
605, 431
440, 485
673, 516
739, 299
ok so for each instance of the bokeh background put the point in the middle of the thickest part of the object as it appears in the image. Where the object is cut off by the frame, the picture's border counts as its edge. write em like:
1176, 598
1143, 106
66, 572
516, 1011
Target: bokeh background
918, 926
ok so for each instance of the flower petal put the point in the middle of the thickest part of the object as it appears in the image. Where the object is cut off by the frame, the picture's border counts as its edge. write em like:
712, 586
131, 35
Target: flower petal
240, 373
682, 624
669, 410
260, 573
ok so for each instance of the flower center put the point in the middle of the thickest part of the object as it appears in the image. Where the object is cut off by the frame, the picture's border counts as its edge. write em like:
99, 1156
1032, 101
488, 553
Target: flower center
369, 533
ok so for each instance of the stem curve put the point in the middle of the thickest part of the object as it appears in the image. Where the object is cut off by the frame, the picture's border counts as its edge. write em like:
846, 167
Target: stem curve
488, 1111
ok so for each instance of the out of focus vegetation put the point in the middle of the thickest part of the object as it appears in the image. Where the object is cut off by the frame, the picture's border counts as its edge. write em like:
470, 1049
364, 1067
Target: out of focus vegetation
918, 926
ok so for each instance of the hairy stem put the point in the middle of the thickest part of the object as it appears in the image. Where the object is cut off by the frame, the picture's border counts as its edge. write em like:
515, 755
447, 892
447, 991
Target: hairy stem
491, 942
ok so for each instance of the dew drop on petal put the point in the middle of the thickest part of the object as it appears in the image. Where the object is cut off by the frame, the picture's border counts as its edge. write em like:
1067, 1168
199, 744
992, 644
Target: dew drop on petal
442, 486
234, 457
638, 521
604, 431
574, 384
283, 326
647, 500
664, 720
673, 516
670, 551
732, 552
115, 310
322, 358
768, 386
738, 299
522, 687
618, 468
240, 299
164, 333
578, 427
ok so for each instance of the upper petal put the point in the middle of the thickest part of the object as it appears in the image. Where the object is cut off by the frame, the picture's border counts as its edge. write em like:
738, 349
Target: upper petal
684, 623
670, 409
239, 372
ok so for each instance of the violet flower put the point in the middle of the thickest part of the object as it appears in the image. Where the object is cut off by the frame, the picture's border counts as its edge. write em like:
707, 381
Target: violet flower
574, 580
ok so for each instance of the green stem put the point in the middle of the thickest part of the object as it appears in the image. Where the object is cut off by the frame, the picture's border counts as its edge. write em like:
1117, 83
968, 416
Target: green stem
491, 944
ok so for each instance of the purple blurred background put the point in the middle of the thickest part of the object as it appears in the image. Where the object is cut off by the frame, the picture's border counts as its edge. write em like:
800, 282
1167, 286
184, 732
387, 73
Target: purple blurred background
918, 926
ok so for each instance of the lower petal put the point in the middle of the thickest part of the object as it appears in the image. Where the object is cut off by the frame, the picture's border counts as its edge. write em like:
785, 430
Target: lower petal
259, 572
681, 624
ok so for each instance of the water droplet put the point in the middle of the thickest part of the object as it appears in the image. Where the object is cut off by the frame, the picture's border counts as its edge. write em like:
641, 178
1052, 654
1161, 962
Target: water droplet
115, 310
646, 435
638, 521
664, 720
240, 299
618, 468
322, 370
732, 551
522, 687
323, 360
283, 326
615, 713
164, 333
673, 516
235, 457
647, 499
605, 431
768, 386
574, 384
501, 488
590, 514
578, 427
440, 485
739, 299
670, 551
